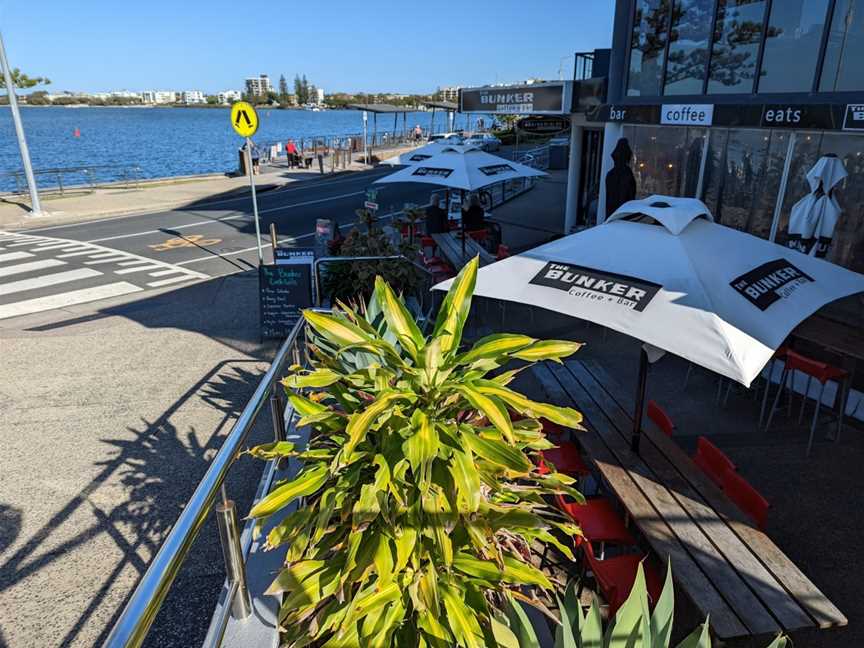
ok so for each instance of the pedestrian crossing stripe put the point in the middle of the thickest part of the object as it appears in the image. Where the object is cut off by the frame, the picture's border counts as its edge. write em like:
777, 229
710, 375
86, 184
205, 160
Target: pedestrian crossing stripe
54, 260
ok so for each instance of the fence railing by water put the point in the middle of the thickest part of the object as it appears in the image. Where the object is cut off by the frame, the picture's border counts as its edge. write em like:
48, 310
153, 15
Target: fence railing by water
76, 178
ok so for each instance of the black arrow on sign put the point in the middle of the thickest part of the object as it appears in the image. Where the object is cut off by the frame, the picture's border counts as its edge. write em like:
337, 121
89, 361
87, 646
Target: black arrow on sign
243, 114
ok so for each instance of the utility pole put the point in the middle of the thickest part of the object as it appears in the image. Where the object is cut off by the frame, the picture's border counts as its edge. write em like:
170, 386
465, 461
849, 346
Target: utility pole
19, 130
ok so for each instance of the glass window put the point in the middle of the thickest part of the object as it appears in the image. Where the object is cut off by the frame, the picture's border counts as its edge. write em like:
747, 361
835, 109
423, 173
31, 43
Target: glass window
647, 47
688, 46
737, 33
742, 177
792, 45
842, 69
666, 159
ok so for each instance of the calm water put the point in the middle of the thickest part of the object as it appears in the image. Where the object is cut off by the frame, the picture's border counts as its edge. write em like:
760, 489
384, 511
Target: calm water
162, 141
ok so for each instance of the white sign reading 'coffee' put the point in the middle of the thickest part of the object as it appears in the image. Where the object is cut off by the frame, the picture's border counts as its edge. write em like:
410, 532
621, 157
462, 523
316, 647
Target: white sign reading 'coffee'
687, 114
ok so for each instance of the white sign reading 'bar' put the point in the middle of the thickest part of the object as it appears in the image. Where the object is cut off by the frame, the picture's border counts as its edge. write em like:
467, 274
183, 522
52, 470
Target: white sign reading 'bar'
687, 114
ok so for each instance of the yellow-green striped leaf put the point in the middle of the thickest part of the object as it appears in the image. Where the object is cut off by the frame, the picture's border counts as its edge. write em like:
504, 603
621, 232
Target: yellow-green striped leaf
548, 350
305, 407
317, 378
491, 407
566, 416
305, 484
336, 329
516, 571
360, 422
462, 619
484, 569
467, 480
497, 452
455, 307
399, 319
493, 346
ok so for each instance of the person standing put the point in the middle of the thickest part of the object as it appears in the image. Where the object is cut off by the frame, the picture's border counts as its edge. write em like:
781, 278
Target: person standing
291, 152
418, 133
473, 218
436, 216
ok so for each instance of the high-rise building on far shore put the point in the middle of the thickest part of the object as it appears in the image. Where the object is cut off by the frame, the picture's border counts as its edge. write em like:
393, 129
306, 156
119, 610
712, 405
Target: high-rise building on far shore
258, 86
193, 97
320, 95
450, 93
229, 96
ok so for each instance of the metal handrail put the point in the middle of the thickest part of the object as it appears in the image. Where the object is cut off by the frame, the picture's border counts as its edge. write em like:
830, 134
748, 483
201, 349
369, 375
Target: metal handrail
134, 623
122, 173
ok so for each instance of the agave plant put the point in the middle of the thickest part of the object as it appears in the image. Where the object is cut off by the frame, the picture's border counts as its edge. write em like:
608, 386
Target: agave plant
421, 495
634, 626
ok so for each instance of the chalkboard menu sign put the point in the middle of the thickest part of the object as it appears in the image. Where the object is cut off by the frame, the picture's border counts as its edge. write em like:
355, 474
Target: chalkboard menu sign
285, 289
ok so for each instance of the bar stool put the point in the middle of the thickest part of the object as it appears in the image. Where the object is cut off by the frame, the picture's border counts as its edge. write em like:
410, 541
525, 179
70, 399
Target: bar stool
822, 372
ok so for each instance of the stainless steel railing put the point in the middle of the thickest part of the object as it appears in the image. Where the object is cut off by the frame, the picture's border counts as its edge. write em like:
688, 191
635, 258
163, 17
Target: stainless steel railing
66, 179
134, 623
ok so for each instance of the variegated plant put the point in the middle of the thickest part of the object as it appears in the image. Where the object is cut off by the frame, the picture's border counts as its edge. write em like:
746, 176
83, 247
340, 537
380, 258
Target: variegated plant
421, 493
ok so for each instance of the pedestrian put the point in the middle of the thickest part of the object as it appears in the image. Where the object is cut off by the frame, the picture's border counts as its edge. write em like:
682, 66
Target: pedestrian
418, 133
291, 152
436, 216
473, 218
256, 160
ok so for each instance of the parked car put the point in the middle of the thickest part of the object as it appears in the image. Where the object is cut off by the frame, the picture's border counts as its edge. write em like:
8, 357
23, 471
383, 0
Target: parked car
485, 141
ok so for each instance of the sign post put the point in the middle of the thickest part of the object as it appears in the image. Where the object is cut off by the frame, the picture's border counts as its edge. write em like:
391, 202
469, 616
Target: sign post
244, 120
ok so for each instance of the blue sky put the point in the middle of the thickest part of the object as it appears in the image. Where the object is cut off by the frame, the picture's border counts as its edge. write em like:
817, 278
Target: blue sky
371, 45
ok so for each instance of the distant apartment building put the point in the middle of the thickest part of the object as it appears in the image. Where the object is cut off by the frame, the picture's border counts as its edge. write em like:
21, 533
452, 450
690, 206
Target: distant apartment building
449, 94
193, 97
319, 95
229, 96
158, 96
259, 86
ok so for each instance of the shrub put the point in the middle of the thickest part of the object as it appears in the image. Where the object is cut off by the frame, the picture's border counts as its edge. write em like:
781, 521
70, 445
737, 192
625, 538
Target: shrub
422, 498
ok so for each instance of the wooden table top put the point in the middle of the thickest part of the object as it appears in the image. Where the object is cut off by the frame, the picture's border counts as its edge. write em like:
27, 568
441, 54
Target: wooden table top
835, 336
731, 570
450, 245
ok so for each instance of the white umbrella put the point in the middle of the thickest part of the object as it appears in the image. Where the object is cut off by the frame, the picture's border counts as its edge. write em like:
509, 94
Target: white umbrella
467, 168
421, 154
814, 217
662, 271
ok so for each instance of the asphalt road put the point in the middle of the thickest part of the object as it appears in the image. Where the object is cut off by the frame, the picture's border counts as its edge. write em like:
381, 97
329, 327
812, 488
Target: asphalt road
217, 237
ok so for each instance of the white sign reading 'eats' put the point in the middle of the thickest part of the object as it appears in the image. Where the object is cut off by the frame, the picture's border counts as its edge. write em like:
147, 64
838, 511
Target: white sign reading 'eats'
687, 114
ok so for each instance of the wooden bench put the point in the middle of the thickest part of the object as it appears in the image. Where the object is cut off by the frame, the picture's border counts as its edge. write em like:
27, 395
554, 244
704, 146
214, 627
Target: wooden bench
730, 570
450, 246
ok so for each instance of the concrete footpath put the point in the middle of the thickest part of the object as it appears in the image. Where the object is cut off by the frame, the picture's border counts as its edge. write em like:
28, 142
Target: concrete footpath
78, 204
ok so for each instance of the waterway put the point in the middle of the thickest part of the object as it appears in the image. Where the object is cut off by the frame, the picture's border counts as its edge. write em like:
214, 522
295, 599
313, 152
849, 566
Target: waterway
162, 142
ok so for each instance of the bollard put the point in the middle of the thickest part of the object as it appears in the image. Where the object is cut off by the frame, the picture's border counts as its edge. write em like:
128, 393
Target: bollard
229, 534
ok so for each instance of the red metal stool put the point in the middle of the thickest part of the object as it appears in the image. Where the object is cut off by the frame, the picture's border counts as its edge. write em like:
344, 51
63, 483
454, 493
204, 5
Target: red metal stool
712, 461
660, 418
822, 372
615, 576
746, 498
598, 519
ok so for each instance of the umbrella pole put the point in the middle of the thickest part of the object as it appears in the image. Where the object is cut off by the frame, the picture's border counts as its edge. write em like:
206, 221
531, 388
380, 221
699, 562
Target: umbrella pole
462, 220
640, 401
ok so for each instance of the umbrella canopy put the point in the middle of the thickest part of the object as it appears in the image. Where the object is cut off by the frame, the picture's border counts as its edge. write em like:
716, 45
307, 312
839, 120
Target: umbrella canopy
662, 271
814, 217
421, 154
465, 168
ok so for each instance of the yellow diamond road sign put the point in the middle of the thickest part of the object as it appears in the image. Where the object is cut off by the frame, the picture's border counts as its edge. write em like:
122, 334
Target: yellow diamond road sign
244, 119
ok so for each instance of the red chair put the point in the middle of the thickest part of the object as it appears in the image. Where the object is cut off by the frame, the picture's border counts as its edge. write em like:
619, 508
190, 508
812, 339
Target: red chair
598, 519
481, 236
746, 498
712, 461
503, 252
822, 372
566, 458
615, 576
660, 418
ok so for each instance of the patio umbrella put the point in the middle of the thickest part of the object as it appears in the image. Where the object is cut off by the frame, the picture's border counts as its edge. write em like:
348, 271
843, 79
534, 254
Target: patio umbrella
459, 167
814, 217
420, 154
660, 270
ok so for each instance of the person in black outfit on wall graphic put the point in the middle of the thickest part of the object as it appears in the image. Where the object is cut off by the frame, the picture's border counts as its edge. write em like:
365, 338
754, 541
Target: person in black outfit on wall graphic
473, 217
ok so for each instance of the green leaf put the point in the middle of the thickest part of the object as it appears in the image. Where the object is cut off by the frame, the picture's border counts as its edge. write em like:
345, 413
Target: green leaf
268, 451
467, 480
566, 416
337, 330
629, 628
317, 378
454, 309
592, 631
462, 619
306, 483
497, 452
548, 350
701, 638
664, 612
564, 630
421, 448
384, 561
483, 569
521, 625
779, 642
399, 319
491, 407
360, 422
518, 572
494, 346
504, 636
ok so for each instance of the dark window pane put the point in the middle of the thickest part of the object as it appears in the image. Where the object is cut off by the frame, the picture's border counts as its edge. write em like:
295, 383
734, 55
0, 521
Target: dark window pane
688, 46
842, 69
792, 45
647, 48
666, 159
736, 46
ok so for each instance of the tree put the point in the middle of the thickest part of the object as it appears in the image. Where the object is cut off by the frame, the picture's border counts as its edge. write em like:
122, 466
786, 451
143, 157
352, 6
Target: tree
212, 100
304, 85
298, 88
22, 81
283, 89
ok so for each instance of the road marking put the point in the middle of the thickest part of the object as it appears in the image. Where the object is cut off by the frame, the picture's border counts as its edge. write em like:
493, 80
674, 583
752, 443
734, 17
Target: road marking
224, 218
14, 256
71, 298
193, 240
104, 253
227, 254
27, 267
112, 259
165, 282
56, 246
135, 262
88, 252
139, 269
162, 273
47, 280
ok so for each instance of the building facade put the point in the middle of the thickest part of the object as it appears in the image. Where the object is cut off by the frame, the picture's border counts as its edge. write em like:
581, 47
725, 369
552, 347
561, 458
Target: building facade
449, 94
193, 97
319, 96
229, 96
734, 101
258, 86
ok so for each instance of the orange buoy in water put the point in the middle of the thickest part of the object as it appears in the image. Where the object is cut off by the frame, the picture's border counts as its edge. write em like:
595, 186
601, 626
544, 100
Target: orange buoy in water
77, 133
